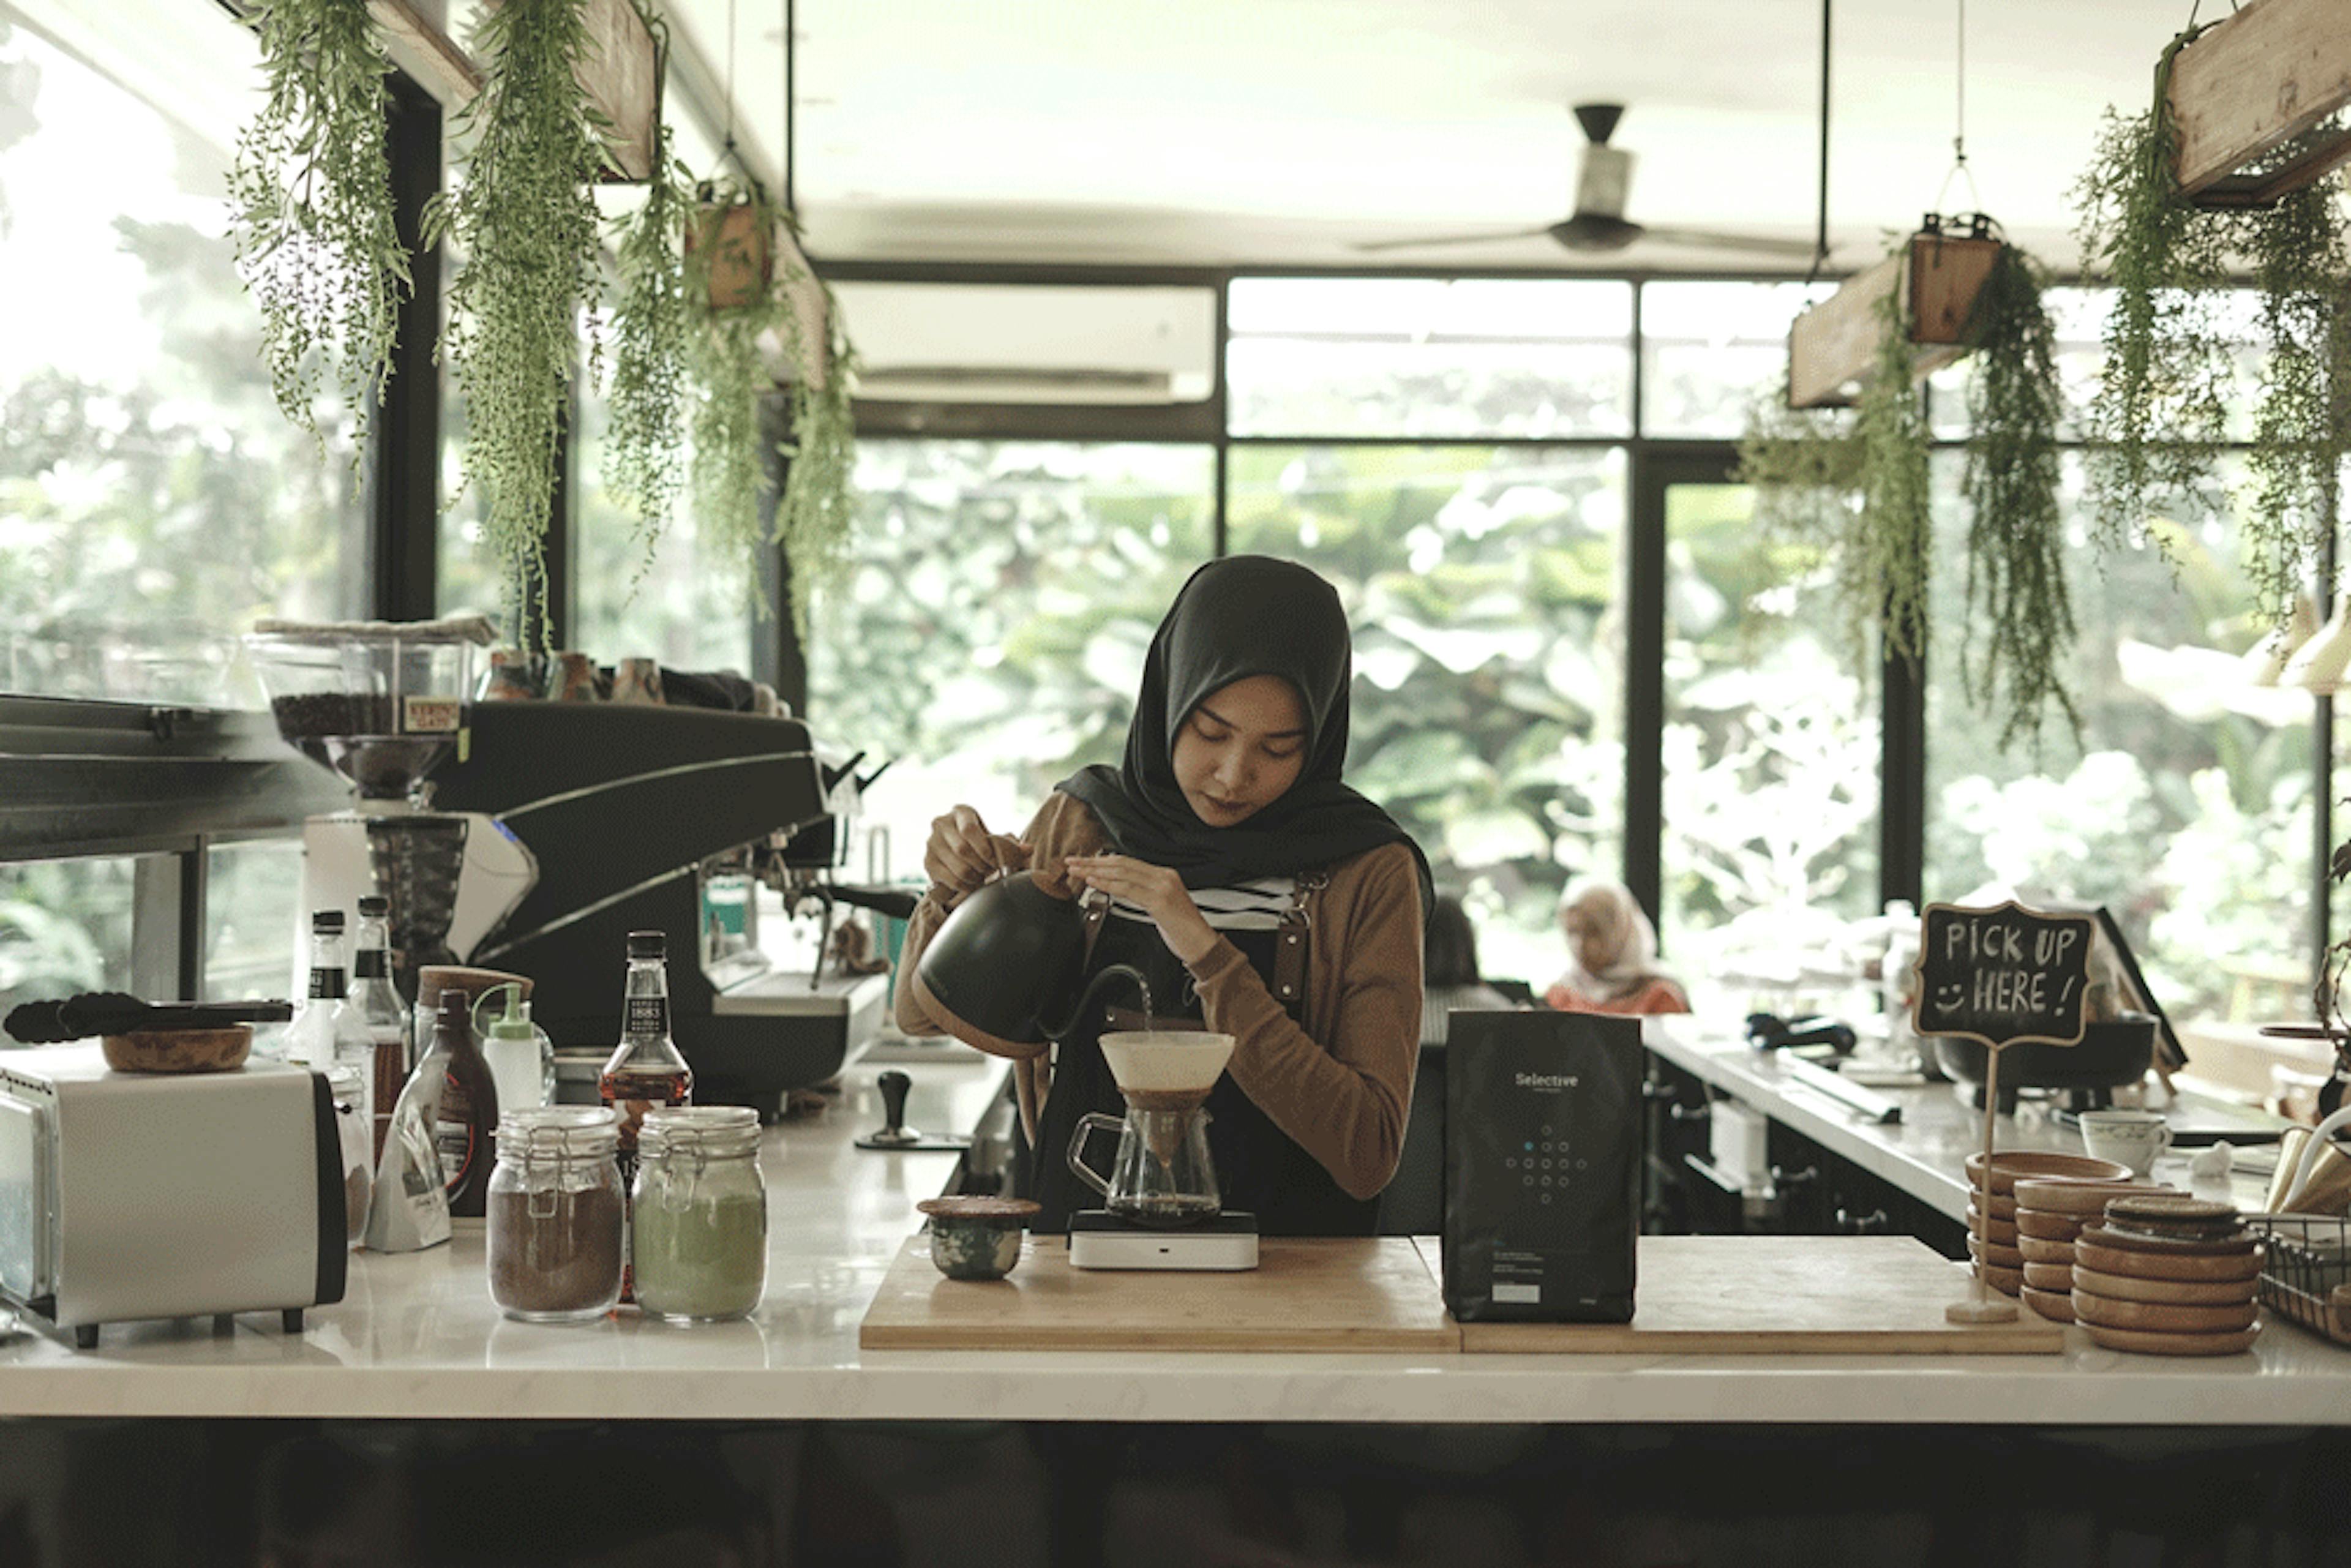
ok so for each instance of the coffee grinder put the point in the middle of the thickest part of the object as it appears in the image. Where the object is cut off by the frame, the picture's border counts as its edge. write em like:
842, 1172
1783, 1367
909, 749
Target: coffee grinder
1161, 1206
384, 704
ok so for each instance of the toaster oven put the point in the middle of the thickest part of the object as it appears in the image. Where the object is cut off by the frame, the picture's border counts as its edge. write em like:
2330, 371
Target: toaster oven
127, 1195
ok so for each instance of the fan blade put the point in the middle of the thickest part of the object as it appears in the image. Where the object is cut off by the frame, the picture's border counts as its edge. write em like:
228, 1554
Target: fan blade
1447, 239
1712, 239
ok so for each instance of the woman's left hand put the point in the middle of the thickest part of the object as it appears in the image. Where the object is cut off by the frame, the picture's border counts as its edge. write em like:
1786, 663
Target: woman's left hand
1157, 891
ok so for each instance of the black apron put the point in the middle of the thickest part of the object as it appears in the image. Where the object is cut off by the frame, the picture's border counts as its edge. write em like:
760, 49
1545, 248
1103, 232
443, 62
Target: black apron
1259, 1168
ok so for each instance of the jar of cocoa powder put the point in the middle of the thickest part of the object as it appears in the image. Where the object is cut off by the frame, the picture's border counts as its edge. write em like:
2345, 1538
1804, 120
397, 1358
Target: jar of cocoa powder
555, 1212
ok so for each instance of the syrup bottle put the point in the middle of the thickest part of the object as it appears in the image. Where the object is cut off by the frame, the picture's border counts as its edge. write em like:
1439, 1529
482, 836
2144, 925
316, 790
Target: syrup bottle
646, 1071
469, 1114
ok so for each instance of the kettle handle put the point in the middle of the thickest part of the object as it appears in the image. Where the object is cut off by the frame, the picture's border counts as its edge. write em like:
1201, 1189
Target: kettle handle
1077, 1155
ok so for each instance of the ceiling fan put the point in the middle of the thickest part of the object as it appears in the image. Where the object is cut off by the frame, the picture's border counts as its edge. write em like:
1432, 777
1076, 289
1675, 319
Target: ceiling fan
1598, 225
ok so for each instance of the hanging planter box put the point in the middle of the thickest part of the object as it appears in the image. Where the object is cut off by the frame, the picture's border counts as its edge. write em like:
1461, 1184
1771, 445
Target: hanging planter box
618, 74
2250, 83
1832, 347
740, 238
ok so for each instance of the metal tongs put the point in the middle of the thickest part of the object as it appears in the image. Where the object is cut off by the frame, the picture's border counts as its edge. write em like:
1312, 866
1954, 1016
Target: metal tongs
47, 1022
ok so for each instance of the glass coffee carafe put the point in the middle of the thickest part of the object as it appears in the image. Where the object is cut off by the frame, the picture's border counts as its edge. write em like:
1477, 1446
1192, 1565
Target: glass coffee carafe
1162, 1175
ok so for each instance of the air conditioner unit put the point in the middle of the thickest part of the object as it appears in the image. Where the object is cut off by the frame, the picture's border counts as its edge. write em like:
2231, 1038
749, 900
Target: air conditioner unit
1021, 343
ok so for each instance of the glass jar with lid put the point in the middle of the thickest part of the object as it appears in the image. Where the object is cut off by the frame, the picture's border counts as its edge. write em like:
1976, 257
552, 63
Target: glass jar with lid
554, 1212
699, 1219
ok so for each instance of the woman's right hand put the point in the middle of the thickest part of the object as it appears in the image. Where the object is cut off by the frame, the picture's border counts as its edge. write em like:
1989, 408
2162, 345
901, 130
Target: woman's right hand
962, 853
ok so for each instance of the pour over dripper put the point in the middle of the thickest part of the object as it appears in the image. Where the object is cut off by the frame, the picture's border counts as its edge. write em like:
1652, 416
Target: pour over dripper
1166, 1069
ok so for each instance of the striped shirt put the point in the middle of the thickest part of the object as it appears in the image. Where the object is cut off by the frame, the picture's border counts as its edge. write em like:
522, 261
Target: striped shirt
1256, 905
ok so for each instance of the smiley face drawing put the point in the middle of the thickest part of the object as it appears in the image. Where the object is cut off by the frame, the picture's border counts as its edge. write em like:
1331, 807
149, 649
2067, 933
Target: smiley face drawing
1947, 997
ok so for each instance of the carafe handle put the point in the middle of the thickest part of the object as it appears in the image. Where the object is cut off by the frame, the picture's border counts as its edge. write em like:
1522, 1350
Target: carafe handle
1077, 1156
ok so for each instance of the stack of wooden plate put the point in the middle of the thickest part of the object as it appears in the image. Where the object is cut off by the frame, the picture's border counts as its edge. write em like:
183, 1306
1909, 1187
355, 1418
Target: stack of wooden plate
2168, 1276
2050, 1213
1994, 1239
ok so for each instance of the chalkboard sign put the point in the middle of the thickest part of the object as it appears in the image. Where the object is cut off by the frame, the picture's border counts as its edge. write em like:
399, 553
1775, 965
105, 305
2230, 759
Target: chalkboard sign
2003, 975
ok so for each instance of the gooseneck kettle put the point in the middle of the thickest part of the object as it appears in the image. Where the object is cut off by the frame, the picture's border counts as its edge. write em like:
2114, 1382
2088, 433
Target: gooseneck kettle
1004, 963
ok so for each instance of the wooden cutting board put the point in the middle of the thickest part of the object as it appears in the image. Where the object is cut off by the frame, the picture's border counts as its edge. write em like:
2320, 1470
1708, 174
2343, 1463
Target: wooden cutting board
1776, 1295
1323, 1293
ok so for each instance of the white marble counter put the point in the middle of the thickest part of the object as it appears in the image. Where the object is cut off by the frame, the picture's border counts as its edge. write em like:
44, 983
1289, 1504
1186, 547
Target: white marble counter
418, 1338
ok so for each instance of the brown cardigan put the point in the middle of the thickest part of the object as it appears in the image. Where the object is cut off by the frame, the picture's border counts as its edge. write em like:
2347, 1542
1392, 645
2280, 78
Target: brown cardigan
1340, 1083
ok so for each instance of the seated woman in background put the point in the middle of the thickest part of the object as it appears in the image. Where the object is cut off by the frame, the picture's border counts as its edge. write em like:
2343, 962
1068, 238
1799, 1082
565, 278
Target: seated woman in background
1448, 970
1614, 953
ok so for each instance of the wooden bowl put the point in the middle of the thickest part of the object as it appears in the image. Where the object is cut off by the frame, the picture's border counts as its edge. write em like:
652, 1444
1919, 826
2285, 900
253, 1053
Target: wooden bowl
2154, 1342
2046, 1226
2057, 1306
2179, 1292
2007, 1281
179, 1049
2035, 1249
2161, 1317
2086, 1195
2010, 1167
2051, 1277
1993, 1252
2090, 1253
1993, 1230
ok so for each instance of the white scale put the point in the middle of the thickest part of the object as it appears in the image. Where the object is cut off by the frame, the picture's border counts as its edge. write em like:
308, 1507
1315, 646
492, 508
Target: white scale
1100, 1240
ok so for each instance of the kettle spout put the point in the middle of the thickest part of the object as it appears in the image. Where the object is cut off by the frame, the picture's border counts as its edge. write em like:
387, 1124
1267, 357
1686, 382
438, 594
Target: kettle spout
1086, 998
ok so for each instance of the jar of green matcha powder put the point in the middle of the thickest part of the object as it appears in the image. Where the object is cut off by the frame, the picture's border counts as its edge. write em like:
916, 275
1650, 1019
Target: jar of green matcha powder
699, 1219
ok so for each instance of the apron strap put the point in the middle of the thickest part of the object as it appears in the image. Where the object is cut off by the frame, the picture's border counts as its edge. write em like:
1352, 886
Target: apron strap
1291, 944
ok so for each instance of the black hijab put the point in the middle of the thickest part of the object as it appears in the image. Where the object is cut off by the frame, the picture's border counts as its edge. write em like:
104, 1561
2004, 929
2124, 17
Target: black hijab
1238, 617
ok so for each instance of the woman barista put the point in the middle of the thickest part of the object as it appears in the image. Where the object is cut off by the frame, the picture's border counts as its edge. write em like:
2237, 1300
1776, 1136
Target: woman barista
1223, 839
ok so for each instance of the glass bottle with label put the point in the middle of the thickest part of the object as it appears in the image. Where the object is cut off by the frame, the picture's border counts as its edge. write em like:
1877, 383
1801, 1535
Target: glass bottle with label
468, 1111
378, 1049
646, 1071
311, 1038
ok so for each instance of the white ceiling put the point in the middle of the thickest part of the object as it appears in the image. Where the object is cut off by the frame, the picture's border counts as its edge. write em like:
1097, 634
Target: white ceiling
1215, 131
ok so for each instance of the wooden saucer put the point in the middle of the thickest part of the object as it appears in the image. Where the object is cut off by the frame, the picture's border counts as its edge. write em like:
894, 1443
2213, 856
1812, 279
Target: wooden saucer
2091, 1253
2140, 1241
2162, 1317
2046, 1226
1993, 1230
2057, 1306
2179, 1292
2174, 1213
1993, 1252
2053, 1277
2035, 1250
2148, 1343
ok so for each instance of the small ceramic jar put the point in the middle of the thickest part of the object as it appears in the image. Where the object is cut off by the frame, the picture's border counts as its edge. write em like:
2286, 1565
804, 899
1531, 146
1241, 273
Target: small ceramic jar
976, 1238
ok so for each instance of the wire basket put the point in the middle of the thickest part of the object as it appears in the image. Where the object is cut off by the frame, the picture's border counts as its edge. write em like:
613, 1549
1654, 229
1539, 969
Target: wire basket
2306, 1259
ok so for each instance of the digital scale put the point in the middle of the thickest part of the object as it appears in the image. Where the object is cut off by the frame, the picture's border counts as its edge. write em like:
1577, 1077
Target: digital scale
1101, 1239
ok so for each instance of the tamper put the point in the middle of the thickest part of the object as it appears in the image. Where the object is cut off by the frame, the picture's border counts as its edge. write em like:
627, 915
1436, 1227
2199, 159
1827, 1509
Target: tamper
893, 1135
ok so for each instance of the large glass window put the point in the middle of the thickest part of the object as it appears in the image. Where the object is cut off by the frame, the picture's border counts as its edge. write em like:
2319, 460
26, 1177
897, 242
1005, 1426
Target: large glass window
2186, 808
988, 636
1488, 713
257, 943
1430, 358
65, 927
1710, 350
153, 502
1770, 840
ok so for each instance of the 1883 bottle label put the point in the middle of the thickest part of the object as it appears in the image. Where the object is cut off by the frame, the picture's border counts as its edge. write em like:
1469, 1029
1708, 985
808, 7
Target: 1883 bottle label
646, 1017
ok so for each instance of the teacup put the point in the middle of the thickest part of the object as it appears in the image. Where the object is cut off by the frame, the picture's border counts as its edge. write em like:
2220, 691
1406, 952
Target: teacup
2133, 1138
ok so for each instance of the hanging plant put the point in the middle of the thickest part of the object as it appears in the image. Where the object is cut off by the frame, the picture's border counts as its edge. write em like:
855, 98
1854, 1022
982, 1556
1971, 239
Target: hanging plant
731, 478
1852, 493
523, 221
742, 298
818, 509
645, 467
2158, 418
2021, 626
311, 209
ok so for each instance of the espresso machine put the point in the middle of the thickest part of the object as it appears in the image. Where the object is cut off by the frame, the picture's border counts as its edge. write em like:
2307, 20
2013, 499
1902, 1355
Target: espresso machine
546, 831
